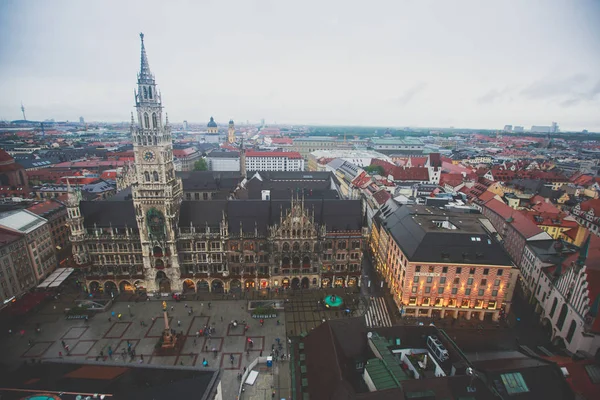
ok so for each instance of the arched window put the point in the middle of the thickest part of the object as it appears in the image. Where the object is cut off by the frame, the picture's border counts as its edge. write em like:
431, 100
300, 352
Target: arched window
145, 143
155, 176
154, 121
562, 316
306, 246
146, 121
286, 246
145, 92
147, 176
553, 309
155, 140
571, 331
296, 246
139, 139
150, 92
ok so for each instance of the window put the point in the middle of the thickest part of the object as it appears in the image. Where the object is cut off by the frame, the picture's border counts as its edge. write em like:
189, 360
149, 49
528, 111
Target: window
499, 272
428, 289
154, 121
146, 121
147, 176
418, 268
483, 282
553, 309
470, 281
497, 282
486, 271
155, 175
456, 281
416, 279
571, 331
441, 290
467, 292
494, 293
472, 271
444, 270
429, 279
480, 292
442, 280
562, 316
454, 290
459, 270
414, 289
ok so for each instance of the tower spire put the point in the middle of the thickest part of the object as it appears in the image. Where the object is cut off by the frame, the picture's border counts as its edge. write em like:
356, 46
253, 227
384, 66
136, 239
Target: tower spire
145, 74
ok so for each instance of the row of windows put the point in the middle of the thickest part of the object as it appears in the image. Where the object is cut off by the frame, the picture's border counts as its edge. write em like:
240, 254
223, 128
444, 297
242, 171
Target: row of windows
459, 270
441, 290
456, 281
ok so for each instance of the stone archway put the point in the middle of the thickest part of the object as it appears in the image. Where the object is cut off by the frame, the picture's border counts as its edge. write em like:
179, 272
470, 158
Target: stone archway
139, 286
285, 283
296, 283
95, 287
325, 283
235, 286
189, 286
217, 286
110, 287
126, 287
203, 286
162, 282
305, 283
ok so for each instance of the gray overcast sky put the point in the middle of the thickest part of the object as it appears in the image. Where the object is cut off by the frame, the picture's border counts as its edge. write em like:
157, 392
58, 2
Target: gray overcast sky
478, 64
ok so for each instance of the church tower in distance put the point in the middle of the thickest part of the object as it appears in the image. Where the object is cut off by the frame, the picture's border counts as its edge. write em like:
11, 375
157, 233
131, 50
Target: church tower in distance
157, 192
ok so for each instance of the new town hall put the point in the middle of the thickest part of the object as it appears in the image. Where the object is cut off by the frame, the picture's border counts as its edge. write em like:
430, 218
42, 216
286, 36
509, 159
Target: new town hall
156, 241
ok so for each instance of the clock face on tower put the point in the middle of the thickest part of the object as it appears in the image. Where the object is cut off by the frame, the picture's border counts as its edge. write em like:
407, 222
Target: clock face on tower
149, 155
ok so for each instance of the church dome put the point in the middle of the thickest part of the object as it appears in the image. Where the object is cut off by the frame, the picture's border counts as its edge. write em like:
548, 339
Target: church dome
230, 122
212, 123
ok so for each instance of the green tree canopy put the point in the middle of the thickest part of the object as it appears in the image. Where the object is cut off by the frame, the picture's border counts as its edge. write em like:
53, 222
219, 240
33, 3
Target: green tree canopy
200, 165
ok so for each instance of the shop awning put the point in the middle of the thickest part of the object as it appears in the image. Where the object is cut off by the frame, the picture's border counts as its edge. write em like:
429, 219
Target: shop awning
56, 278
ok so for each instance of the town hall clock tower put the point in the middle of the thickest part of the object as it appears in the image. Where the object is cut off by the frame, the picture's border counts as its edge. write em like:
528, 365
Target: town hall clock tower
157, 192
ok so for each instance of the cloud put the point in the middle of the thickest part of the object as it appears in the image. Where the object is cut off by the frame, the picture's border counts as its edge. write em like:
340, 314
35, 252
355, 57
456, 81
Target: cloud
553, 88
492, 96
408, 95
577, 98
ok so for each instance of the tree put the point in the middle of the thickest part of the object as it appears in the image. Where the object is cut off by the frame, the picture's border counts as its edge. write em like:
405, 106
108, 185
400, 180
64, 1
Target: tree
375, 169
200, 165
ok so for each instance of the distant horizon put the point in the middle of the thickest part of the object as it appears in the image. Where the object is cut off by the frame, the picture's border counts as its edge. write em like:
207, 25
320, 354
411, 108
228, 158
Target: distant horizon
279, 124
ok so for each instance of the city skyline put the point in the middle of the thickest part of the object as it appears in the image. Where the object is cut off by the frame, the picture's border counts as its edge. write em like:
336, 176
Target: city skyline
425, 65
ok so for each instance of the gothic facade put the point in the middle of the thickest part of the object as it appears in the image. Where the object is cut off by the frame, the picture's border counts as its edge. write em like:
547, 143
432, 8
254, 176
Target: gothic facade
159, 242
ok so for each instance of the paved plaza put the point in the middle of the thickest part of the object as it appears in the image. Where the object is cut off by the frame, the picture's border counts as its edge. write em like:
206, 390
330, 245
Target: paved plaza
91, 341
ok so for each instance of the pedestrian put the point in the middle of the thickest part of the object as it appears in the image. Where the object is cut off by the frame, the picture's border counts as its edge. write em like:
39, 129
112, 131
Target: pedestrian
221, 319
172, 308
189, 313
60, 354
194, 341
186, 305
209, 304
197, 334
30, 342
178, 323
119, 316
63, 343
142, 357
109, 319
206, 348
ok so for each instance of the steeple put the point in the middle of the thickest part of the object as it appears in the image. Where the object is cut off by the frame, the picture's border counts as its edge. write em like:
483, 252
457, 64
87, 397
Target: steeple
145, 75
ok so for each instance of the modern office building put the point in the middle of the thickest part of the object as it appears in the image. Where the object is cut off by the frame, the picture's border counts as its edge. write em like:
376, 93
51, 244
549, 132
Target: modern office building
274, 161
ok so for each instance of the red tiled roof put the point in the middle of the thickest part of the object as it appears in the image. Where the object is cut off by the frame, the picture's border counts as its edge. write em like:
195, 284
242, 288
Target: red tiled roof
452, 179
522, 224
486, 196
8, 236
591, 204
286, 154
184, 152
382, 196
542, 204
578, 379
45, 207
549, 219
387, 166
283, 140
418, 161
410, 174
4, 156
361, 180
435, 160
